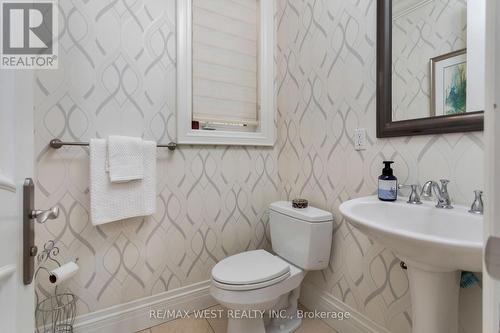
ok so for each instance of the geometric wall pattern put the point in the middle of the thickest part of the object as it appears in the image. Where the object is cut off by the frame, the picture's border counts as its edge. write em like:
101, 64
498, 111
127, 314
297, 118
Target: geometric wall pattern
117, 75
326, 89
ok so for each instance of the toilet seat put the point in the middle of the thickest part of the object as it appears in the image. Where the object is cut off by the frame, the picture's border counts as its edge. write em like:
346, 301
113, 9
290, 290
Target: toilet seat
250, 270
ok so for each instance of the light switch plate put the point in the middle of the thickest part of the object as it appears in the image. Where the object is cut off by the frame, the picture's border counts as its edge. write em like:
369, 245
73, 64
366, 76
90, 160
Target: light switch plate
360, 139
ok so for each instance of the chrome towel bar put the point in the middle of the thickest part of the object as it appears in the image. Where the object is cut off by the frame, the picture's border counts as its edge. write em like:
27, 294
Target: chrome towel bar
57, 143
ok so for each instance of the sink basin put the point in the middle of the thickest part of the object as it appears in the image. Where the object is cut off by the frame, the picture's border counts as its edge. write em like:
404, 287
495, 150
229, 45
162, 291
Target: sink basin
436, 244
445, 239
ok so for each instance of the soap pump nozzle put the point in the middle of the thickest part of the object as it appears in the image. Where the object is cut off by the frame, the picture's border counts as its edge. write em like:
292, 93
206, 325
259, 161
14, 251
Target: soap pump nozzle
387, 170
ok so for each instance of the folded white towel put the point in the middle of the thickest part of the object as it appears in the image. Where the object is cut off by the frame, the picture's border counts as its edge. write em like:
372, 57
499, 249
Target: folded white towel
125, 158
116, 201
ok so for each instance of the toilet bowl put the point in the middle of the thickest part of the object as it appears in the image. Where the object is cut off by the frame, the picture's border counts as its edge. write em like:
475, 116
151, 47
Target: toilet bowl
251, 284
261, 290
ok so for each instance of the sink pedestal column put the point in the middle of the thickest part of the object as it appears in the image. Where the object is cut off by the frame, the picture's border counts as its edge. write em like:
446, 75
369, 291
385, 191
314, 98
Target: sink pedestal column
434, 299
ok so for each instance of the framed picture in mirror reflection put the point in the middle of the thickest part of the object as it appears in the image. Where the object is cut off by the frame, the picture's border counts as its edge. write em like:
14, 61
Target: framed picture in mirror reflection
449, 84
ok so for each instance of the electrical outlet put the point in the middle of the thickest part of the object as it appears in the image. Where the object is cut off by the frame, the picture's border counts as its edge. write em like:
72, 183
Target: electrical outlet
360, 139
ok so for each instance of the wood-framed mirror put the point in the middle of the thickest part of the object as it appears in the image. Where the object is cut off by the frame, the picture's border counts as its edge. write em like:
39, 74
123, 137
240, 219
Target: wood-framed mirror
430, 67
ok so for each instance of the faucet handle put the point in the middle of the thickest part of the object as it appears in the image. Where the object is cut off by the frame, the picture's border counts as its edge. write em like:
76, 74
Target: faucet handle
414, 197
444, 182
477, 206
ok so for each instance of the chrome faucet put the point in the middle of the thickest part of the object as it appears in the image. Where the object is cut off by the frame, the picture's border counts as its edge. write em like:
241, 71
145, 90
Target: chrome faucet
443, 198
477, 206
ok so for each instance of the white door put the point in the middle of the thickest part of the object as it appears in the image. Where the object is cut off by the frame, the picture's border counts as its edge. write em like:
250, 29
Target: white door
16, 164
491, 277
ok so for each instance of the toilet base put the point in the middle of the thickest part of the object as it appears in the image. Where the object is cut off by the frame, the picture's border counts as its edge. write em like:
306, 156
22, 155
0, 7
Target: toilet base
289, 305
281, 318
256, 325
289, 326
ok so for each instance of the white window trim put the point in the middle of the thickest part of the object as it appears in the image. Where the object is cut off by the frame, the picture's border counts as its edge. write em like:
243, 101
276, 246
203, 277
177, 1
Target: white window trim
266, 134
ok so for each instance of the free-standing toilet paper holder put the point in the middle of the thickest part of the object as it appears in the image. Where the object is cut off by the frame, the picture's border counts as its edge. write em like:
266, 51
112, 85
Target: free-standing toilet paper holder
48, 256
58, 311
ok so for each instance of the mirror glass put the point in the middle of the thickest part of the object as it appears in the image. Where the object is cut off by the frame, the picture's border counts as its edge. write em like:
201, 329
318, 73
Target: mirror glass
429, 59
225, 65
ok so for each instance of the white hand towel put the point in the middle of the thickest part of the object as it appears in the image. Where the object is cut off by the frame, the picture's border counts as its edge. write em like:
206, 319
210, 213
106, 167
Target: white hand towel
116, 201
125, 158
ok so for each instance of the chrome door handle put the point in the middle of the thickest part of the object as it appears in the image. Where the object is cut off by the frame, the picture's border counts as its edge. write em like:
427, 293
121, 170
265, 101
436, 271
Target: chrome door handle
30, 216
41, 216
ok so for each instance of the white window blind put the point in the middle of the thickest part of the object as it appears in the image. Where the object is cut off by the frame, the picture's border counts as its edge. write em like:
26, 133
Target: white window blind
225, 61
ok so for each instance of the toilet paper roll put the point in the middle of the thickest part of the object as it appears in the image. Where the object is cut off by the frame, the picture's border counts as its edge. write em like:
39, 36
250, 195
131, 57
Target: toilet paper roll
63, 273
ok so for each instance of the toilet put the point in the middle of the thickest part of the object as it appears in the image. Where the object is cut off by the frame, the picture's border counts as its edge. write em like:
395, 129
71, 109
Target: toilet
260, 289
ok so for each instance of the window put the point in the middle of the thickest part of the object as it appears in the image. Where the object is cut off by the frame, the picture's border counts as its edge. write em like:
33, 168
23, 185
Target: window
226, 72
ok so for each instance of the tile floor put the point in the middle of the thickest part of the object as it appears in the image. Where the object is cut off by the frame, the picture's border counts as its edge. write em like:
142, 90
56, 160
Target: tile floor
192, 325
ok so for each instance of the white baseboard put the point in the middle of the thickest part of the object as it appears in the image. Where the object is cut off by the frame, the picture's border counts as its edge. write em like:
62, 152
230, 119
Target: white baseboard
134, 316
314, 299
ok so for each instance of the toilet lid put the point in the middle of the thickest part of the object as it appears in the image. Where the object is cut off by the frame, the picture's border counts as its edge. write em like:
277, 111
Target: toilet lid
252, 267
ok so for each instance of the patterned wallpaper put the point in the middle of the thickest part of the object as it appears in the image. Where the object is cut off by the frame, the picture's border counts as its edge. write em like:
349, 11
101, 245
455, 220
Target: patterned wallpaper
117, 76
431, 30
326, 90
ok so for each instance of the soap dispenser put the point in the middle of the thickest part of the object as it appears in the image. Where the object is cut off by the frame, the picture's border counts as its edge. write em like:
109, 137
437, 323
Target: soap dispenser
387, 184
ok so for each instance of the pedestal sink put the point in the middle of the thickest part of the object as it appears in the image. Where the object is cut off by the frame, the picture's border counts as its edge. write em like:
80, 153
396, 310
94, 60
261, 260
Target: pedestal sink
436, 244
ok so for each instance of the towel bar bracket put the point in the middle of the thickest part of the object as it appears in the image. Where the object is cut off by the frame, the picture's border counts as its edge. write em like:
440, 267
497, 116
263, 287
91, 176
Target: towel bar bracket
57, 143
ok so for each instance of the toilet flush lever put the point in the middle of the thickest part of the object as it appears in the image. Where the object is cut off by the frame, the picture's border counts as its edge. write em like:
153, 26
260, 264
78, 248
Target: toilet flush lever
41, 216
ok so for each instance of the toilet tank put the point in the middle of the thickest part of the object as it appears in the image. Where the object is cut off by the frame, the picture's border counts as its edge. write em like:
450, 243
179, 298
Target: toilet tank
303, 237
